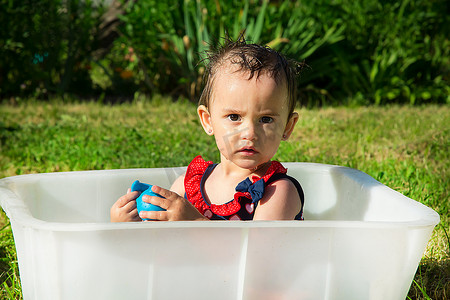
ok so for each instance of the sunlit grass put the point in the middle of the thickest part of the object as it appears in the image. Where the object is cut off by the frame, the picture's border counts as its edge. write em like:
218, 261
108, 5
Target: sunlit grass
405, 148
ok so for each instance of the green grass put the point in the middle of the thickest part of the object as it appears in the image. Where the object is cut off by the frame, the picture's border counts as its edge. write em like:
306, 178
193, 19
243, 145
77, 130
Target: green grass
406, 148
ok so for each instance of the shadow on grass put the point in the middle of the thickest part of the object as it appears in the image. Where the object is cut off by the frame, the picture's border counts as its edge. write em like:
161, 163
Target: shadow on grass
4, 264
432, 280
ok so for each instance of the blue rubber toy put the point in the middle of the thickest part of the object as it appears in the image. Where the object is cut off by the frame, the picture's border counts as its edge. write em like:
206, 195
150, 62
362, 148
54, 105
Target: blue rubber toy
145, 189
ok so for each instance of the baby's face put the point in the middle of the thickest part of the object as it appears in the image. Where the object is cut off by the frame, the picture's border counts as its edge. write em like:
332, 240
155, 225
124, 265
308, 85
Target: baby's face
248, 117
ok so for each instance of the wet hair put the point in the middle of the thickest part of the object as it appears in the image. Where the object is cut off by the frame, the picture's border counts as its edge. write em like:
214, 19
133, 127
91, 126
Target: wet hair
254, 59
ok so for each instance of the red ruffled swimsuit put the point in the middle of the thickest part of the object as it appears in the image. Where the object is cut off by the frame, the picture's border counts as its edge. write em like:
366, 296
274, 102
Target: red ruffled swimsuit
248, 192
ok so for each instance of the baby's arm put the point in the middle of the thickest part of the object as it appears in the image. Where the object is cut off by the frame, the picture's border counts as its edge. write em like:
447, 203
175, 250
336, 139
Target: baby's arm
124, 210
280, 202
176, 207
178, 186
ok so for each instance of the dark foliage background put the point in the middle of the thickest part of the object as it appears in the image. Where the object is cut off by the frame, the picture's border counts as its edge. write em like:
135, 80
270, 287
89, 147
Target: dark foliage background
358, 52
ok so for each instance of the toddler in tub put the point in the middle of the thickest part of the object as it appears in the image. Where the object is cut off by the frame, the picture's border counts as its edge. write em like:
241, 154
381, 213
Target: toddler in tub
248, 106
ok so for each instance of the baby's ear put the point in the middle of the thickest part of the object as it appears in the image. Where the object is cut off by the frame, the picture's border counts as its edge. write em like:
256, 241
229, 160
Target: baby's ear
205, 119
290, 125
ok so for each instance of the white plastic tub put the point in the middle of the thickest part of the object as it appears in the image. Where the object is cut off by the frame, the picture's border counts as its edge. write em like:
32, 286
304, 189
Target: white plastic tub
360, 240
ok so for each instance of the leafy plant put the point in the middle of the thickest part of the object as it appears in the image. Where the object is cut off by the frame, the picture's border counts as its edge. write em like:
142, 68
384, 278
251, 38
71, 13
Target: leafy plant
182, 32
45, 46
358, 52
393, 51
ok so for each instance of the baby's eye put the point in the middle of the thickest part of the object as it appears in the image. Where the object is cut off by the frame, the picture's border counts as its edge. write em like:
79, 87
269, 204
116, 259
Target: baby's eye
234, 117
266, 119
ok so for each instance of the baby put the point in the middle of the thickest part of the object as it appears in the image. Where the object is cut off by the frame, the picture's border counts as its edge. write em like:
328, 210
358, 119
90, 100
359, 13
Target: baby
248, 106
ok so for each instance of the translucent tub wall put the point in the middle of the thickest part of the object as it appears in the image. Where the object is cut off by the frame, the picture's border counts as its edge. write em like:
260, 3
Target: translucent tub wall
360, 240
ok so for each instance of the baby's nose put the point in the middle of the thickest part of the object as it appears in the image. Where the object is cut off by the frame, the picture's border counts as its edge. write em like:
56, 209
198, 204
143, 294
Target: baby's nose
249, 131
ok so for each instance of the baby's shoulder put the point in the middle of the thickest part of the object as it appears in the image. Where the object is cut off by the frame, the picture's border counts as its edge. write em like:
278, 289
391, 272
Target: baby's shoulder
281, 201
282, 192
283, 186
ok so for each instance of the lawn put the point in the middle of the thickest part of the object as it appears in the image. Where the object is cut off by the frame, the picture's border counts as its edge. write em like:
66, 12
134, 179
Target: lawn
406, 148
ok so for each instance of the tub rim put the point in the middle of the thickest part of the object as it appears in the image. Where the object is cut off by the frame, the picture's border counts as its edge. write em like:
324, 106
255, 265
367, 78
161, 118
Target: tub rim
18, 212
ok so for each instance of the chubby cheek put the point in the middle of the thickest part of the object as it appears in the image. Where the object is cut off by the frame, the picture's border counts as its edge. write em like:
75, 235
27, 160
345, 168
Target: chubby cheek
272, 139
228, 141
273, 134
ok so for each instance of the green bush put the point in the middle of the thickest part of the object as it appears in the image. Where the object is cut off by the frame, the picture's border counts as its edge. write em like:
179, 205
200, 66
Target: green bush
170, 38
357, 52
393, 51
45, 46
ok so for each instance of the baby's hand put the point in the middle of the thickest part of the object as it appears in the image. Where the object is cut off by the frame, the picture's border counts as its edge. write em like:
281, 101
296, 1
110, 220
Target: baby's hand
124, 210
176, 207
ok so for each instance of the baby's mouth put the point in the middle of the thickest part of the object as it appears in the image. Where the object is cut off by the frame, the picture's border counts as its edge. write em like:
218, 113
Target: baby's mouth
248, 150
